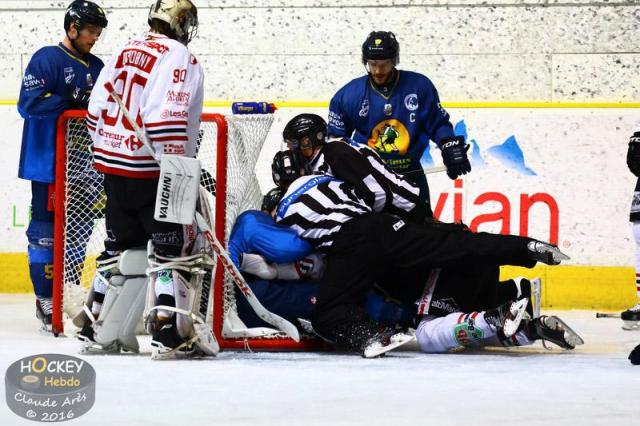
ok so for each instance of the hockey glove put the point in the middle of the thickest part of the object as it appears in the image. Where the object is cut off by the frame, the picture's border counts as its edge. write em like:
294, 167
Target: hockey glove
454, 155
633, 154
79, 99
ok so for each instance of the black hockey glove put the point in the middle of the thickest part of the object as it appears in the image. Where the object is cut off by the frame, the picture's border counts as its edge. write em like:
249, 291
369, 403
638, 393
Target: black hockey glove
454, 155
79, 99
633, 154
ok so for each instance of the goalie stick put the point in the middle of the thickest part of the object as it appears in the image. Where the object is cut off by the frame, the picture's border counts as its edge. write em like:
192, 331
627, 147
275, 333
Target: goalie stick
269, 317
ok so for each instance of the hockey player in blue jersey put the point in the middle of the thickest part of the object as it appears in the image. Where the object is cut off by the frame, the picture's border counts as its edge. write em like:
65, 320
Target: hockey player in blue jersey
397, 113
57, 78
283, 270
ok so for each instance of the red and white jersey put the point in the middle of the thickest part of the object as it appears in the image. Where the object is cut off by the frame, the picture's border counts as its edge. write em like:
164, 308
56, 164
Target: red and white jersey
161, 84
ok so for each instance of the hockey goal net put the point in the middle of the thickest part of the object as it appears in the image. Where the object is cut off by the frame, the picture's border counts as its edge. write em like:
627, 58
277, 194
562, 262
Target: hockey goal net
229, 148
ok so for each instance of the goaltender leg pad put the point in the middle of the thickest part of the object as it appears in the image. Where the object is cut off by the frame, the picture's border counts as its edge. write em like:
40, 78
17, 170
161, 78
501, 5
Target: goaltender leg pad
178, 189
123, 307
191, 278
123, 303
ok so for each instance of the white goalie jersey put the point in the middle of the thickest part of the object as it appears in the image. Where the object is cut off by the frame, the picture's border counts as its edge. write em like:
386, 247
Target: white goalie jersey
161, 84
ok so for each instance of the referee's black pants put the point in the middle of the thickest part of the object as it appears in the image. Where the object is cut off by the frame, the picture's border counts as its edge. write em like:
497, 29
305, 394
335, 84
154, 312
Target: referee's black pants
367, 246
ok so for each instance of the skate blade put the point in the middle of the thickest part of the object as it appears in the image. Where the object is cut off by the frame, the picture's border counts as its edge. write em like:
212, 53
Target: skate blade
517, 311
160, 352
94, 348
630, 325
570, 336
376, 349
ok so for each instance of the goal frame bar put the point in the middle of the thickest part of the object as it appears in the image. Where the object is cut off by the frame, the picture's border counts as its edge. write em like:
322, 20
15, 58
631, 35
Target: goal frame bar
217, 308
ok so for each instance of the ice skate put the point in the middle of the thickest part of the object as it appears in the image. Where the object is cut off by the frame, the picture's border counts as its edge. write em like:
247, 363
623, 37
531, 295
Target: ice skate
44, 309
631, 318
546, 253
532, 289
554, 330
507, 317
89, 345
167, 344
385, 341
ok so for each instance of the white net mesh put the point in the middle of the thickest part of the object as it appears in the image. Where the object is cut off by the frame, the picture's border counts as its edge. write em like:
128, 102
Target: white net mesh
84, 202
84, 199
246, 137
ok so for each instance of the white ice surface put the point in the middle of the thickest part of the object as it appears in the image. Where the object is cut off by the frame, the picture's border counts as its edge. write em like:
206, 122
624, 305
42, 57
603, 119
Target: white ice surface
593, 385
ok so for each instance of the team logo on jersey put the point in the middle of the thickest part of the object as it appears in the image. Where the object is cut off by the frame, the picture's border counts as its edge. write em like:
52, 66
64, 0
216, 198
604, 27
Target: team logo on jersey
390, 137
69, 75
133, 143
364, 108
388, 110
89, 80
411, 102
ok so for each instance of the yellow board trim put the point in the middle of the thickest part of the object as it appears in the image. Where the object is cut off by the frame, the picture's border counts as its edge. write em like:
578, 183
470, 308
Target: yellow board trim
563, 287
15, 273
582, 287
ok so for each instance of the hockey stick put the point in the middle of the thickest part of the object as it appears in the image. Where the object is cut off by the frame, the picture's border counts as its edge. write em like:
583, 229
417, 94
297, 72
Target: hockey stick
606, 315
260, 310
434, 169
269, 317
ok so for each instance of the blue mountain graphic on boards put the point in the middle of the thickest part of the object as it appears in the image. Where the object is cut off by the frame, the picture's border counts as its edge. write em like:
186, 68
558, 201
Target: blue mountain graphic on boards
508, 153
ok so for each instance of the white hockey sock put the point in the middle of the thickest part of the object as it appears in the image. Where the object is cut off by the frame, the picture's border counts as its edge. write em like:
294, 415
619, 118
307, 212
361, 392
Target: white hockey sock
96, 307
164, 287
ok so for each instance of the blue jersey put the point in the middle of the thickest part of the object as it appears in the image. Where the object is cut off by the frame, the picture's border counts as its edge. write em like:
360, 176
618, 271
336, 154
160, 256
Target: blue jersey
256, 232
398, 123
52, 75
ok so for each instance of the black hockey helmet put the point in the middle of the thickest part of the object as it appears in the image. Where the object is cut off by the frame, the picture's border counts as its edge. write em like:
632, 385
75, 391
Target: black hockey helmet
271, 199
381, 45
285, 168
304, 132
81, 13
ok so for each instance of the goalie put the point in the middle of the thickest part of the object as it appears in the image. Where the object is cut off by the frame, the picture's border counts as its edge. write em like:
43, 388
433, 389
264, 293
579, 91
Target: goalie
161, 84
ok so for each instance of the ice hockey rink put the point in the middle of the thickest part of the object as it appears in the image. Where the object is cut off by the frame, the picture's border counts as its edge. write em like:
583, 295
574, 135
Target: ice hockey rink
593, 385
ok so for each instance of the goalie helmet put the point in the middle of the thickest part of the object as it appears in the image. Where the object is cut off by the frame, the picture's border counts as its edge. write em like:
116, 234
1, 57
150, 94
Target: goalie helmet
285, 168
271, 199
81, 13
381, 45
304, 132
181, 15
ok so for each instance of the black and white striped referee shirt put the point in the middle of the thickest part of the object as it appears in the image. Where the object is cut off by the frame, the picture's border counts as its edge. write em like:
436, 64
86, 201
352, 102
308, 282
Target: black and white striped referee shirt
317, 206
379, 186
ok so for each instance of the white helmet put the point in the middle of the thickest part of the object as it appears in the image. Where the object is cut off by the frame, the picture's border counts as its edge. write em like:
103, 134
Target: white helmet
181, 15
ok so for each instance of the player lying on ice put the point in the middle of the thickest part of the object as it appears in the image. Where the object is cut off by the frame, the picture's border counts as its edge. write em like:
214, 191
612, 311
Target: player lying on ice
362, 243
267, 252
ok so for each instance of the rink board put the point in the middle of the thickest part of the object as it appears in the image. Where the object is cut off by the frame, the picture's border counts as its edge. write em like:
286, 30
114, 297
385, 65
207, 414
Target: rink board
556, 174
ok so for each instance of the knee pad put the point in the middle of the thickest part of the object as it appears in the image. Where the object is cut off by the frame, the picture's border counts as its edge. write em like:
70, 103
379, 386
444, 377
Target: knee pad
40, 254
123, 302
188, 280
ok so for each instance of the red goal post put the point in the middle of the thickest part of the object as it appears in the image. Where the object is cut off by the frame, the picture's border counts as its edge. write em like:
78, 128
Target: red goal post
229, 147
